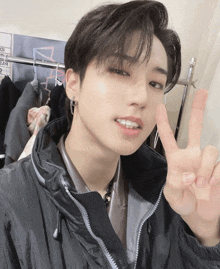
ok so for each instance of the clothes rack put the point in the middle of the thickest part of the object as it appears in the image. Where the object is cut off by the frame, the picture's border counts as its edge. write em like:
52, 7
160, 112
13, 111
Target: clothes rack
29, 61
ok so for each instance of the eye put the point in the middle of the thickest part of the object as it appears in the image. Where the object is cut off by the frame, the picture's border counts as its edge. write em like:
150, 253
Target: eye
156, 85
119, 72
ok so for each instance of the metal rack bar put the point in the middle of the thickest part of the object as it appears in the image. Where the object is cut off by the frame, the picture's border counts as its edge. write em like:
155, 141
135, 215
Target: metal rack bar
187, 87
30, 61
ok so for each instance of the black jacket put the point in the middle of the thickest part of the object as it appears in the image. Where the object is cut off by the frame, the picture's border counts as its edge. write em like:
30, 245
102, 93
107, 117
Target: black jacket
45, 224
9, 96
17, 133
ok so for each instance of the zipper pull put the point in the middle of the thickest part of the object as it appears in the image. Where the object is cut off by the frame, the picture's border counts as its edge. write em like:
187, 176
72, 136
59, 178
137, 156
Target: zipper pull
57, 231
149, 228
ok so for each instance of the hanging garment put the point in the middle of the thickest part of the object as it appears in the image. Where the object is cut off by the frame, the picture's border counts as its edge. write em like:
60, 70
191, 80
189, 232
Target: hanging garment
9, 95
37, 118
17, 133
57, 102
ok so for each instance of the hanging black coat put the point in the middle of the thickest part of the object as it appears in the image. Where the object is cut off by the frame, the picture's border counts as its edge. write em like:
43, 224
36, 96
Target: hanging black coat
9, 95
17, 133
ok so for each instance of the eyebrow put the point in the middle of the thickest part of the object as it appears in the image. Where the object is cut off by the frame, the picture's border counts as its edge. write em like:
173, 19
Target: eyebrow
125, 57
160, 70
131, 59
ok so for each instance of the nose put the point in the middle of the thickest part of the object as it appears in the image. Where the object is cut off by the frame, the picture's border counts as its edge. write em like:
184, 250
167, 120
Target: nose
138, 95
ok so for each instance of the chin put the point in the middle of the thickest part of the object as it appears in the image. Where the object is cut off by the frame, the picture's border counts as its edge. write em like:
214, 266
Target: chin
128, 150
127, 153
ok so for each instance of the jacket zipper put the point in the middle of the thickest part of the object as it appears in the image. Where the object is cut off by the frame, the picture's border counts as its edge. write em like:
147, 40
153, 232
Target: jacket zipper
85, 218
88, 226
142, 224
87, 223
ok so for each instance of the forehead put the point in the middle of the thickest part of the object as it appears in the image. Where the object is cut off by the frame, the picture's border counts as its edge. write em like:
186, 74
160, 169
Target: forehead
158, 54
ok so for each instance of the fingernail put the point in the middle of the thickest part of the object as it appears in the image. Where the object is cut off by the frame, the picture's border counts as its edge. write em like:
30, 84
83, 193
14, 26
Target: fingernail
200, 182
188, 177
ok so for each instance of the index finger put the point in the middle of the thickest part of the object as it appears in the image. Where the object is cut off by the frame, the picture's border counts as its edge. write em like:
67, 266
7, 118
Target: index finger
165, 131
196, 118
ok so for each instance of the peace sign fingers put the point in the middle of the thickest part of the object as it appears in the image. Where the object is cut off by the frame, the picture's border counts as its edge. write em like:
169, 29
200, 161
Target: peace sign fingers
196, 118
165, 131
195, 123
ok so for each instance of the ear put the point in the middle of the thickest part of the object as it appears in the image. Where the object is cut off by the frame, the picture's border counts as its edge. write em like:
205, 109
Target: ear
72, 84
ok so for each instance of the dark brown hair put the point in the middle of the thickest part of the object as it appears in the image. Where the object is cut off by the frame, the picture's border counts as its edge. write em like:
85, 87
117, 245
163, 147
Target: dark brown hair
104, 30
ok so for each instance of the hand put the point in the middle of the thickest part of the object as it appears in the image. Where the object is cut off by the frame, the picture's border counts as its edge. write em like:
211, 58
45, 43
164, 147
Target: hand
193, 179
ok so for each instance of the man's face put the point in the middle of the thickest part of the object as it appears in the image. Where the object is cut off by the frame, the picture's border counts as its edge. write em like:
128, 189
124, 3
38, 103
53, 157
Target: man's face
117, 105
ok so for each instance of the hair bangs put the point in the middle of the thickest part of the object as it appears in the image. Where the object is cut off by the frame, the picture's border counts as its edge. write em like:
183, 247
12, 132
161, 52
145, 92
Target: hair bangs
106, 31
123, 22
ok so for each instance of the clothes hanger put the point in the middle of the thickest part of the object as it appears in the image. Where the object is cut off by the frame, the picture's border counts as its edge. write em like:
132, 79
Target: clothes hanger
34, 82
57, 81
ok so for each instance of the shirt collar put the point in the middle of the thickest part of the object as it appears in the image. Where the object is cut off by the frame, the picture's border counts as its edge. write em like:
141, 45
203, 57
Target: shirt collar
77, 180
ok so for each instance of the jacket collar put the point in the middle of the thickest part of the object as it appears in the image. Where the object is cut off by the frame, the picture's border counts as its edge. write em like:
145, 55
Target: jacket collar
145, 169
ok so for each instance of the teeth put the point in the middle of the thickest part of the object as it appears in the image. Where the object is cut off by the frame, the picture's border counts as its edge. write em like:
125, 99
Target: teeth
129, 124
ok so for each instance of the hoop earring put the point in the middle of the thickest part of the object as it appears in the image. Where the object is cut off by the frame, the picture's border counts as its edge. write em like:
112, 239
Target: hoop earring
72, 104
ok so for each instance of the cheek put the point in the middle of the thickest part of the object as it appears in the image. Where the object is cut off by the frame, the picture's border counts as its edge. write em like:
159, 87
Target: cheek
94, 102
150, 115
102, 97
98, 89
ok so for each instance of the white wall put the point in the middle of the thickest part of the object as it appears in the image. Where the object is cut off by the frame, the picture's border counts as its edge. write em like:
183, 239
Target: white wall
57, 19
193, 20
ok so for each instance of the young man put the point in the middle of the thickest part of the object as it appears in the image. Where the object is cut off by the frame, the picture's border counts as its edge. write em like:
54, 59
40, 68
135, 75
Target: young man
91, 194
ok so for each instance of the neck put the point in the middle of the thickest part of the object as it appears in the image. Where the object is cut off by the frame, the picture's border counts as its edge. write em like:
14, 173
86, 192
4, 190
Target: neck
96, 165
